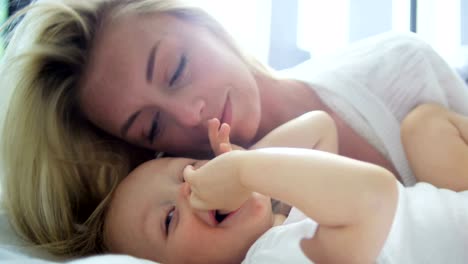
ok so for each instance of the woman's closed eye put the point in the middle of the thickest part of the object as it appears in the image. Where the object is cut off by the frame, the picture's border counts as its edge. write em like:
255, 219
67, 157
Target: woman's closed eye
180, 69
154, 128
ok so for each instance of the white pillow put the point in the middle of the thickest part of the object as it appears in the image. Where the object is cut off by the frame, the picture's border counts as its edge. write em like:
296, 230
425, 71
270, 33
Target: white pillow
12, 244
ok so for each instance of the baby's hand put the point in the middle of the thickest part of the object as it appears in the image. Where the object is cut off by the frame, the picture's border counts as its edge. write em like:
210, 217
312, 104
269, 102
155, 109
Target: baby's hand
219, 136
216, 185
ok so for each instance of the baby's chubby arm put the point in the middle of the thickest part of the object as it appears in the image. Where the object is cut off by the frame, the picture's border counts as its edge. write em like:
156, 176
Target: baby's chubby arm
313, 130
354, 202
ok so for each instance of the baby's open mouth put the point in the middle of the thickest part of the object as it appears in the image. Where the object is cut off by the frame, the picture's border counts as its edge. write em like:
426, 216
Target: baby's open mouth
219, 216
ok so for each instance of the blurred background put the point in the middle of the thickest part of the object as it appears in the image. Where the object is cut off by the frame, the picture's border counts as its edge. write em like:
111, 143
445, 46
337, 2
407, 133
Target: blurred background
284, 33
3, 15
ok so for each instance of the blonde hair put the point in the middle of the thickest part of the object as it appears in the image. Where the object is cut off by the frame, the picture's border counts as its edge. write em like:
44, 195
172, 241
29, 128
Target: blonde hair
59, 168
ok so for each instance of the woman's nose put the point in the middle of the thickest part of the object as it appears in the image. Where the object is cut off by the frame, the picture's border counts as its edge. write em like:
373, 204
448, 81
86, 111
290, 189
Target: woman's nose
189, 114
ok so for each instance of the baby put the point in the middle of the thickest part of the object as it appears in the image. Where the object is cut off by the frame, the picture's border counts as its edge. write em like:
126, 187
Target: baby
176, 210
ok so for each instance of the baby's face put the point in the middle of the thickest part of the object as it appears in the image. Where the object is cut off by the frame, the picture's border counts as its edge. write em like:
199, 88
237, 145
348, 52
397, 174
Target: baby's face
150, 217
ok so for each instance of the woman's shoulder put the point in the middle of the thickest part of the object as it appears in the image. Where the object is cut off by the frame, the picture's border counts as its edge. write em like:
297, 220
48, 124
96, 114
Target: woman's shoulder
368, 51
394, 38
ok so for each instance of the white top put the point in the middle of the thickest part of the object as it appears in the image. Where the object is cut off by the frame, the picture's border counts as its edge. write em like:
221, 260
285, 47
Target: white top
374, 83
280, 244
430, 226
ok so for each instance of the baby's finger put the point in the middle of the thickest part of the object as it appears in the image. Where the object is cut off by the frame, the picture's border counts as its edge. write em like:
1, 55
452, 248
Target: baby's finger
213, 127
213, 132
189, 173
224, 147
224, 131
197, 203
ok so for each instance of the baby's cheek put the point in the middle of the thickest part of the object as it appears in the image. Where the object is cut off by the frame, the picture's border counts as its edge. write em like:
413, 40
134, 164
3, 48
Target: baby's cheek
190, 241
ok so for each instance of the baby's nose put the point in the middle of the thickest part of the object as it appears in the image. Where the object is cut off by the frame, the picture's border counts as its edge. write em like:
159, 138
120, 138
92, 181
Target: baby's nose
185, 191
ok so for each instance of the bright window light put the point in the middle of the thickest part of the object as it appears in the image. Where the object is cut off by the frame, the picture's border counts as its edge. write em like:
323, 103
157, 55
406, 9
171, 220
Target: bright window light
323, 26
401, 15
439, 23
248, 21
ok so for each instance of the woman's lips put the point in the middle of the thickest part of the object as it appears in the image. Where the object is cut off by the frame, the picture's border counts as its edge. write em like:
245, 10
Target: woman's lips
227, 112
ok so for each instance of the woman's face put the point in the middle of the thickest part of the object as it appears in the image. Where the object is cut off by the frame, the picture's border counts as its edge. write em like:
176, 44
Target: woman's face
150, 217
155, 81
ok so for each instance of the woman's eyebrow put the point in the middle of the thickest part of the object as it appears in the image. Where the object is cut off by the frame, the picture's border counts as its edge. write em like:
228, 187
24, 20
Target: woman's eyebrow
150, 64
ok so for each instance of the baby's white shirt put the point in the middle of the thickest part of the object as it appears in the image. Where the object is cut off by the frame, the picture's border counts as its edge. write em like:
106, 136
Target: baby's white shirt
280, 244
430, 226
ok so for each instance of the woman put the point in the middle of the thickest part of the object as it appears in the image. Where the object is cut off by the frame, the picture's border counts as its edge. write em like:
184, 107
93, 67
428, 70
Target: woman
100, 85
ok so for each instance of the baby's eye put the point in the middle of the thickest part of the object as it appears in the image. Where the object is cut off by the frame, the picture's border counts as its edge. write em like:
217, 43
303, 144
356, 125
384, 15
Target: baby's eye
168, 221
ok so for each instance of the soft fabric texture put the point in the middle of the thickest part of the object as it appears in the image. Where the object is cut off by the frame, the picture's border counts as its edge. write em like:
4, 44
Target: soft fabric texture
429, 227
280, 244
8, 257
12, 247
14, 250
461, 63
374, 83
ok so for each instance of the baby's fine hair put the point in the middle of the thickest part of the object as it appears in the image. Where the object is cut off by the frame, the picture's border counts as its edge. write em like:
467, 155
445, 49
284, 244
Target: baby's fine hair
59, 168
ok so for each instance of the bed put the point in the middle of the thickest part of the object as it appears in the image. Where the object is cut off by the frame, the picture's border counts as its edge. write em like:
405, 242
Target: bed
14, 250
